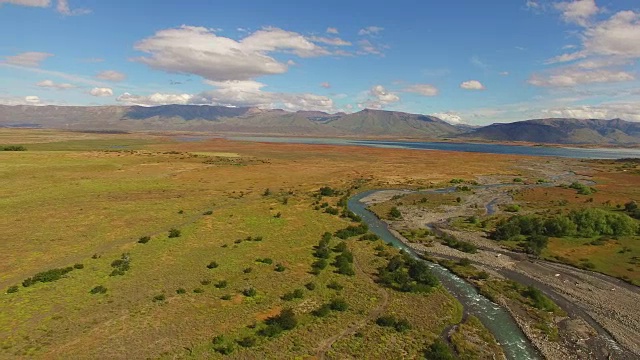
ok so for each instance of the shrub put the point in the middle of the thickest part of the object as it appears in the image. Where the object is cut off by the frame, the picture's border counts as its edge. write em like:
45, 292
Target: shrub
352, 230
47, 276
247, 341
332, 211
13, 148
342, 246
174, 233
266, 192
181, 291
339, 305
280, 268
267, 261
12, 289
512, 208
205, 282
327, 191
78, 266
217, 340
212, 265
334, 285
98, 290
226, 349
249, 292
438, 351
394, 213
295, 294
402, 325
322, 311
406, 274
386, 320
310, 286
370, 237
221, 284
208, 212
247, 270
159, 297
226, 297
144, 239
286, 320
198, 290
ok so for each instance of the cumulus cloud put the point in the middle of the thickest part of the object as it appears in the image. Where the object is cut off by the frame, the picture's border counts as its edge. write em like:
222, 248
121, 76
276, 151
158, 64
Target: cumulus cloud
422, 89
198, 50
54, 85
325, 85
370, 30
379, 97
240, 93
472, 85
29, 59
332, 30
450, 117
571, 76
111, 75
578, 11
334, 41
31, 3
32, 100
101, 92
625, 111
368, 48
64, 9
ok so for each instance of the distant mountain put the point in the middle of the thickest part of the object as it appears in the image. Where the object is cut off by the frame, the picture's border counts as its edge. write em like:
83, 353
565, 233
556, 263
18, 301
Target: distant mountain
365, 123
561, 131
230, 120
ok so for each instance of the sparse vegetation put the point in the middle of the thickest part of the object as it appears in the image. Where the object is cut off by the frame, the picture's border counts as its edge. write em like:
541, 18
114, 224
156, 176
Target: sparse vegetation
98, 290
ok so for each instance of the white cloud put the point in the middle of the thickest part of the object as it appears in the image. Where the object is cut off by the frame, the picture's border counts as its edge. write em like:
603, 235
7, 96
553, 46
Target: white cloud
477, 62
111, 75
450, 117
569, 77
199, 51
422, 89
503, 73
101, 92
367, 47
155, 99
617, 36
245, 93
625, 111
335, 41
325, 85
472, 85
379, 97
578, 11
531, 4
32, 100
567, 57
53, 85
332, 30
31, 3
63, 8
29, 59
370, 30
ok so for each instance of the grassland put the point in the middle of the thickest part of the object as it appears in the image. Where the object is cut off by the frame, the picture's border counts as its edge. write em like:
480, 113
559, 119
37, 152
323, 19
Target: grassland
76, 198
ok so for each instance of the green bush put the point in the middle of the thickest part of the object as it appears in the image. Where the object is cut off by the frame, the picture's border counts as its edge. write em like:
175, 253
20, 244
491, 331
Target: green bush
438, 351
386, 321
406, 274
221, 284
205, 281
249, 292
174, 233
247, 341
12, 289
247, 270
212, 265
98, 290
310, 286
47, 276
198, 290
334, 285
159, 297
267, 261
394, 213
208, 212
280, 268
181, 291
144, 239
225, 349
339, 304
13, 148
286, 320
78, 266
352, 230
322, 311
226, 297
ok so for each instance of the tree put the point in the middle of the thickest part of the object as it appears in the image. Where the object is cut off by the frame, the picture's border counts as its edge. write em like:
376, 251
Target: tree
394, 213
174, 233
438, 351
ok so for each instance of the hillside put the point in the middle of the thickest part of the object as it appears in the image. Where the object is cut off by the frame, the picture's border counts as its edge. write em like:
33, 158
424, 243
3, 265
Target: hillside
365, 123
561, 131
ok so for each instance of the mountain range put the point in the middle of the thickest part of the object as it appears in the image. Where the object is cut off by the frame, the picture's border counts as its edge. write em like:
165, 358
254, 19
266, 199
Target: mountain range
366, 123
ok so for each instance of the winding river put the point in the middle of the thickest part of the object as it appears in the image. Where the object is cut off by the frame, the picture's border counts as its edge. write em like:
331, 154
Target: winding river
513, 341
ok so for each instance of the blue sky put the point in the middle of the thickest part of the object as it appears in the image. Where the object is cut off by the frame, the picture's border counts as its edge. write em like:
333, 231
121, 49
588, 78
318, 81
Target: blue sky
470, 61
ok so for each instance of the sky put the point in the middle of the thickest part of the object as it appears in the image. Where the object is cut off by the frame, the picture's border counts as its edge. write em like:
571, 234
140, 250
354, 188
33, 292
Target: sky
465, 61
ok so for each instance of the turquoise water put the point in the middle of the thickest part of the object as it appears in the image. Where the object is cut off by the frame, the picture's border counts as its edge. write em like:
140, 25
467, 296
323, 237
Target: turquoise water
567, 152
513, 341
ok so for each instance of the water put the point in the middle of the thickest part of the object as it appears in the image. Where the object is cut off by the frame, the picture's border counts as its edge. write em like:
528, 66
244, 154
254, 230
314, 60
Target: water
567, 152
513, 341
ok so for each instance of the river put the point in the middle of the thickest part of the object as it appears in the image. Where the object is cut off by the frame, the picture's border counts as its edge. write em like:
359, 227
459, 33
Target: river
513, 341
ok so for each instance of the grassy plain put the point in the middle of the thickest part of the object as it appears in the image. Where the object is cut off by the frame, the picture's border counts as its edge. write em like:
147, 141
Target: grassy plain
76, 198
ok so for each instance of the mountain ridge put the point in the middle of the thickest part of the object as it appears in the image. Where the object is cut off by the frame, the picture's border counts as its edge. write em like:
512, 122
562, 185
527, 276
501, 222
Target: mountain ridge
364, 123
